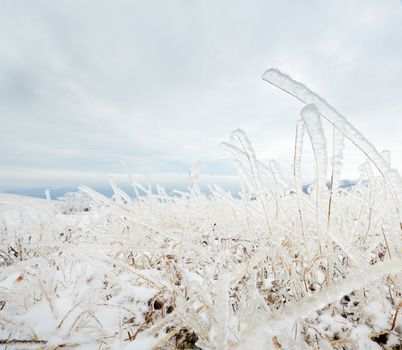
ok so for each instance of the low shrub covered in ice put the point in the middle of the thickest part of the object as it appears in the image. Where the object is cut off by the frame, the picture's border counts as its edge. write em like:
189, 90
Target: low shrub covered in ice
274, 268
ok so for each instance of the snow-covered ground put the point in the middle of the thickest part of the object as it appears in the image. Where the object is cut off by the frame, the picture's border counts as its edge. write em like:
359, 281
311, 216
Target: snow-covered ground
277, 268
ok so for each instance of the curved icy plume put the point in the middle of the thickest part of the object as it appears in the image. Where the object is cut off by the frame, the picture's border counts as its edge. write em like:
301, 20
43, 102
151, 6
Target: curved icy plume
267, 170
338, 146
297, 156
248, 149
240, 136
312, 120
272, 170
301, 92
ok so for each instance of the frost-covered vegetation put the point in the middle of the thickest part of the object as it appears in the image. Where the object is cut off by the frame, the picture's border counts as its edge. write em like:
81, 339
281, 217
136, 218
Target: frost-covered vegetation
276, 268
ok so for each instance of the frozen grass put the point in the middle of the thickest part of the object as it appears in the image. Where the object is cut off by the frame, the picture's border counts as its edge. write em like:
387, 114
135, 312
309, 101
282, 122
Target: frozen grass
277, 268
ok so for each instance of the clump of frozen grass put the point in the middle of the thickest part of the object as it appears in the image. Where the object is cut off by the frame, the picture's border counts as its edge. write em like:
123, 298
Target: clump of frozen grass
276, 268
73, 202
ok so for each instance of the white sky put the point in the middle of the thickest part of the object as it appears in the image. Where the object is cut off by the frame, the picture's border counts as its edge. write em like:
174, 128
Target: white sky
158, 85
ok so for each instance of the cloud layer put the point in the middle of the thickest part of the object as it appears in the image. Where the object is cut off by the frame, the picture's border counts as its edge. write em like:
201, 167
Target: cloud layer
158, 84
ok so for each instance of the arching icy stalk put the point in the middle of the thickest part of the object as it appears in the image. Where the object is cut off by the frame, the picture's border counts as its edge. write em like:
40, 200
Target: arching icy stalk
302, 93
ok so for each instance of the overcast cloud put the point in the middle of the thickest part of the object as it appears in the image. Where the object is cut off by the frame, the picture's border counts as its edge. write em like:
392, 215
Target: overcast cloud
85, 85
